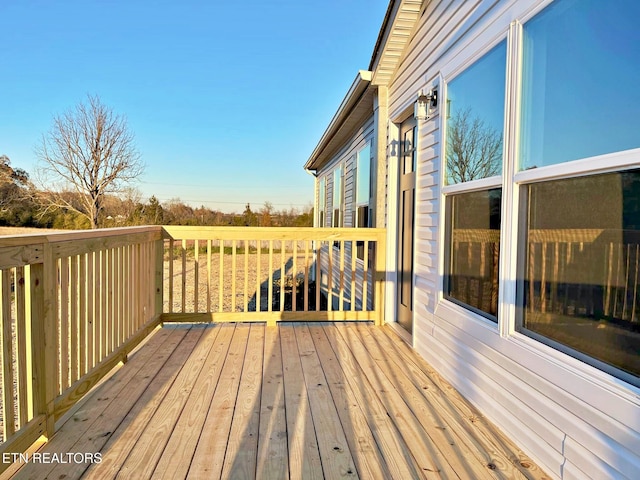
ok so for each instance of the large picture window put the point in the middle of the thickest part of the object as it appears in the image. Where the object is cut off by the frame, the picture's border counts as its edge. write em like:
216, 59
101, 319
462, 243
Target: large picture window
474, 152
579, 243
566, 179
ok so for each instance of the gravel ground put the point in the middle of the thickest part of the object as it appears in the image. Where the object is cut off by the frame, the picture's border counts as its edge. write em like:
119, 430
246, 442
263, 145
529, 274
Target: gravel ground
254, 271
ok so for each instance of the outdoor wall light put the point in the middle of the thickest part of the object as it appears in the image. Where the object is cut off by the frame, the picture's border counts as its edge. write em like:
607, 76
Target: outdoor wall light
426, 104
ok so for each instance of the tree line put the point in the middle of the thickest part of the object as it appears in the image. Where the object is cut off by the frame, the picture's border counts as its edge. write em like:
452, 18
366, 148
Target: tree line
22, 205
87, 166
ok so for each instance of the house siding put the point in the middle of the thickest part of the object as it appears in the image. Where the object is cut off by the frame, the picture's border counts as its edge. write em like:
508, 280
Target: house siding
574, 425
346, 157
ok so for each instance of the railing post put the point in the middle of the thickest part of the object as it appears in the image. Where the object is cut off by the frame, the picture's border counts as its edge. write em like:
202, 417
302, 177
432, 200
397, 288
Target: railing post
158, 304
35, 291
42, 283
380, 274
50, 280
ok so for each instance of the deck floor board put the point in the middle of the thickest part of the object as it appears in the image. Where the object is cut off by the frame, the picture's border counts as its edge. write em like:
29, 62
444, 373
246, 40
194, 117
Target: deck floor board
176, 457
391, 443
273, 456
304, 455
430, 419
335, 455
471, 433
135, 420
367, 456
208, 459
317, 400
242, 447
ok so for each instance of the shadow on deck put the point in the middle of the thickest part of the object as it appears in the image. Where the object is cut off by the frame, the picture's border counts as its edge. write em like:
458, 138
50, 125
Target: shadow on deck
295, 401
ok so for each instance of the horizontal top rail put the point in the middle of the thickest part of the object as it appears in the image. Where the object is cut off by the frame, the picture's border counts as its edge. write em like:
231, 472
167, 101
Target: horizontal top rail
272, 233
75, 235
21, 255
78, 246
586, 235
22, 250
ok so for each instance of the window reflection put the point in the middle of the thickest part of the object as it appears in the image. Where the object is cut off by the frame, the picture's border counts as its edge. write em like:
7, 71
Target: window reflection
337, 197
475, 119
363, 172
580, 95
580, 284
321, 201
473, 250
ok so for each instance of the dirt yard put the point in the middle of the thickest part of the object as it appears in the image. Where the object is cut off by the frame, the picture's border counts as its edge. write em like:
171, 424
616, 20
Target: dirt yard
211, 282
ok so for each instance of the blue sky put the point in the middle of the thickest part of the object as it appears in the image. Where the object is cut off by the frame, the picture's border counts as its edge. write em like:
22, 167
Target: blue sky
226, 99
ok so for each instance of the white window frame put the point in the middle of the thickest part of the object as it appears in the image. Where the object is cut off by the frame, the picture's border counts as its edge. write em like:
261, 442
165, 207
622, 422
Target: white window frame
497, 181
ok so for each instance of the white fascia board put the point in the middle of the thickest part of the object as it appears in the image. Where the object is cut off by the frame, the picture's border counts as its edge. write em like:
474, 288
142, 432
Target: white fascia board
358, 87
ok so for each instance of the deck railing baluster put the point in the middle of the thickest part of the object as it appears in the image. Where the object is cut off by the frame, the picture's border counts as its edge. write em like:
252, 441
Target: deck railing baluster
196, 274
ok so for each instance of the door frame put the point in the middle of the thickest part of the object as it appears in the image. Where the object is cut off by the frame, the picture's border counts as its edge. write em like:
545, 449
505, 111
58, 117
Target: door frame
391, 213
405, 315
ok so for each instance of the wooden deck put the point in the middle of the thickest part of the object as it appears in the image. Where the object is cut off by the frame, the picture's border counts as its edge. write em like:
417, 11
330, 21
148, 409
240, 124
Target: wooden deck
292, 401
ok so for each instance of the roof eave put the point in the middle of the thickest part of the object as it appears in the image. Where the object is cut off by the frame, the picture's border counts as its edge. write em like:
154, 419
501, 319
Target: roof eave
380, 41
399, 24
358, 88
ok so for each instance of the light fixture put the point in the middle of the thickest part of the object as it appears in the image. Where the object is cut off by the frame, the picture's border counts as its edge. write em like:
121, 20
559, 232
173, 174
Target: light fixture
425, 105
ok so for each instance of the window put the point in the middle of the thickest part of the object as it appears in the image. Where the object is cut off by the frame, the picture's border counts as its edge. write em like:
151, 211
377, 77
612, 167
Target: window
475, 119
338, 194
474, 243
362, 210
474, 126
580, 283
409, 154
574, 52
573, 188
579, 227
363, 186
322, 199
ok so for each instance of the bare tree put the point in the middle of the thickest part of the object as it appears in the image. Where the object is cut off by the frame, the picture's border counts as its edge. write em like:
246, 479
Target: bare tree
266, 213
474, 149
88, 153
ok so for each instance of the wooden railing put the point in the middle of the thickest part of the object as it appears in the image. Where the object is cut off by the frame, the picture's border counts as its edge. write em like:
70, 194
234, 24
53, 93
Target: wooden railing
273, 274
580, 272
475, 279
572, 272
74, 305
